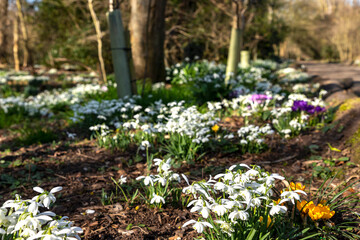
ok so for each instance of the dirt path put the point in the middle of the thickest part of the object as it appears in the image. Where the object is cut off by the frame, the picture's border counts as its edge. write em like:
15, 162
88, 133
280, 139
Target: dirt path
333, 71
341, 81
343, 85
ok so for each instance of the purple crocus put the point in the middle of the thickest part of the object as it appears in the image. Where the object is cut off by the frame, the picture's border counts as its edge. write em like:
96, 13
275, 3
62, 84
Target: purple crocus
259, 98
301, 105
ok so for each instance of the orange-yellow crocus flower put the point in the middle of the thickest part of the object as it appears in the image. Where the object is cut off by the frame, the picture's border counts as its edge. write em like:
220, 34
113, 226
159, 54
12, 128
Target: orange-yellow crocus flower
297, 186
215, 128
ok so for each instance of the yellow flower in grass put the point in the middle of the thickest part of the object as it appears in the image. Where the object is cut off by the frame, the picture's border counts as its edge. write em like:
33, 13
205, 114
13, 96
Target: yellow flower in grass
315, 213
327, 214
268, 221
276, 202
297, 186
304, 206
320, 212
215, 128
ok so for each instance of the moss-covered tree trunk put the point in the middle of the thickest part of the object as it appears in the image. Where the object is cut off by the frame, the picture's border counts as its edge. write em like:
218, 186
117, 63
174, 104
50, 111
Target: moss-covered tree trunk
147, 28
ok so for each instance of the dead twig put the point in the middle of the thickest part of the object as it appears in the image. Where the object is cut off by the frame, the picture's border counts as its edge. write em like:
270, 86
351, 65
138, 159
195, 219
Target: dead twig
281, 160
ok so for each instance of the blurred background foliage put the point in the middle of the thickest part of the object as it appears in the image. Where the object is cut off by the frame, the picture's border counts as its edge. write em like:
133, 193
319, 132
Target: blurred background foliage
301, 29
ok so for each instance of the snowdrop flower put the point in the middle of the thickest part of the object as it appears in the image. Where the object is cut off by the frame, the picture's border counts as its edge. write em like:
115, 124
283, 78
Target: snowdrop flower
220, 186
157, 199
243, 142
147, 180
175, 177
71, 135
195, 189
277, 208
225, 227
101, 117
47, 197
198, 226
239, 214
90, 211
291, 195
122, 180
204, 210
145, 145
161, 180
219, 209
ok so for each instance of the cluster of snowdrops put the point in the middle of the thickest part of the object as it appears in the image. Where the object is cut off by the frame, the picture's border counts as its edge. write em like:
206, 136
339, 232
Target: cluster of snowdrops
244, 202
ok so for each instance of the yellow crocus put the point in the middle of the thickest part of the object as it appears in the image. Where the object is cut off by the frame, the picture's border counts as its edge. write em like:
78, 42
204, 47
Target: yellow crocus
215, 128
268, 221
320, 212
297, 186
304, 206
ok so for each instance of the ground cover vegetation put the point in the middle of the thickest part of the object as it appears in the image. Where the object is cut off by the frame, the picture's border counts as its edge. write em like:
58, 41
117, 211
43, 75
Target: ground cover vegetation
181, 160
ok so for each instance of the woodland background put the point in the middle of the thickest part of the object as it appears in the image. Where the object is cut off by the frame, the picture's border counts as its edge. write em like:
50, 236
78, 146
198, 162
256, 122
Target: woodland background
299, 29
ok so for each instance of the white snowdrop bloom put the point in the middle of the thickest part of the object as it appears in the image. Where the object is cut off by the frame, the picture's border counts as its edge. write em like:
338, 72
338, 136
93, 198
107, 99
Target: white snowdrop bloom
252, 173
246, 195
243, 142
29, 222
144, 145
286, 131
256, 202
231, 204
161, 180
28, 233
71, 135
122, 180
277, 208
291, 195
239, 214
101, 117
48, 197
147, 180
198, 226
3, 219
226, 176
270, 179
322, 92
137, 108
33, 208
195, 189
90, 211
240, 181
157, 199
157, 161
204, 210
262, 189
219, 209
198, 201
225, 227
220, 186
175, 177
229, 136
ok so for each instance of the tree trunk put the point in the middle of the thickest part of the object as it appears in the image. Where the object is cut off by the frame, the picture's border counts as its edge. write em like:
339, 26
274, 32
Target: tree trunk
3, 27
16, 44
99, 41
24, 33
119, 56
147, 27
